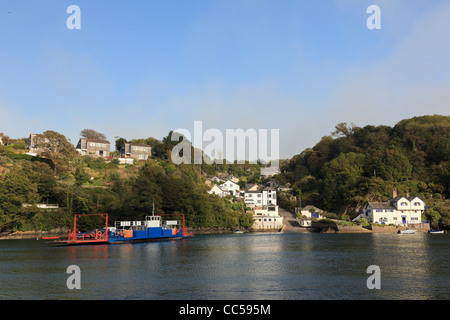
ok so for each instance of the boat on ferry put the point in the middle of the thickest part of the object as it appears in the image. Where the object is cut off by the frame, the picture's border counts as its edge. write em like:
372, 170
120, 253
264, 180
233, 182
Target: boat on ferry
152, 228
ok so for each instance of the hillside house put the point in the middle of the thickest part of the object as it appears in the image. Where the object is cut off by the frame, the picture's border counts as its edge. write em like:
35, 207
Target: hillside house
219, 190
267, 218
136, 151
397, 211
310, 211
217, 180
93, 147
232, 188
261, 197
4, 140
227, 177
32, 144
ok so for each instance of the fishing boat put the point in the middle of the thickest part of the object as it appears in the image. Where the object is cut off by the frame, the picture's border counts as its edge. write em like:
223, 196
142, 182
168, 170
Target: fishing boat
238, 231
435, 231
407, 231
152, 228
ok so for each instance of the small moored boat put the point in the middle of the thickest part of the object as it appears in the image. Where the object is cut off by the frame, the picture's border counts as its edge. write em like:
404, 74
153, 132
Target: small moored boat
407, 231
50, 238
435, 231
238, 231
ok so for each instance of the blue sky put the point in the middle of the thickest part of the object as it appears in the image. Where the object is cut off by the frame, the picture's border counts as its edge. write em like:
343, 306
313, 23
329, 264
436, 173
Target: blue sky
142, 68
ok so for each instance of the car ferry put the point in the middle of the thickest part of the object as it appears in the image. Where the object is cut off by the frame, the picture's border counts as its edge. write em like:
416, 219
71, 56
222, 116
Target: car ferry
152, 228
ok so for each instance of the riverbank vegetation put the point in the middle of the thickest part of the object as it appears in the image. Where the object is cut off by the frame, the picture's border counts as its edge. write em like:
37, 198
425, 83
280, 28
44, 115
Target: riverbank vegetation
340, 174
354, 165
92, 185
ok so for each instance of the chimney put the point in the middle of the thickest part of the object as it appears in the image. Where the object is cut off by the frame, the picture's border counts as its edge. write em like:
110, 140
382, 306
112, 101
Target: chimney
394, 193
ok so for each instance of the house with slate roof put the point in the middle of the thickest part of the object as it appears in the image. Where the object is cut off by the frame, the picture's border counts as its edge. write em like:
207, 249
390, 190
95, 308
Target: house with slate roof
399, 210
93, 147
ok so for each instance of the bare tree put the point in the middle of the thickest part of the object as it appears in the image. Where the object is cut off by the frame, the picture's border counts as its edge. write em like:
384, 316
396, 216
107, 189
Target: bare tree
92, 134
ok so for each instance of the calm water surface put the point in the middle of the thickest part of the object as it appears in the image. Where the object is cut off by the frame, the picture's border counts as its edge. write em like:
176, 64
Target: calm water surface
233, 266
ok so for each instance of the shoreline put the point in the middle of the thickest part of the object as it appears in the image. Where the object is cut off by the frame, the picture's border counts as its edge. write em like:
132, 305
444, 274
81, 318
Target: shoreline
23, 235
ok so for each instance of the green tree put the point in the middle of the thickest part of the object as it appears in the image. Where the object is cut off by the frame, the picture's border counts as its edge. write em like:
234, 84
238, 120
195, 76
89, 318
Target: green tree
120, 142
57, 149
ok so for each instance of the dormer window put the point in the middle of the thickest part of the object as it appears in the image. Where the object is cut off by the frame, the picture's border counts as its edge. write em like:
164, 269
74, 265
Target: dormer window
403, 204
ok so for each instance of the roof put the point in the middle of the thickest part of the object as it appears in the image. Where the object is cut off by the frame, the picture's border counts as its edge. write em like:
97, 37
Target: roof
138, 145
95, 140
309, 207
229, 180
381, 205
414, 197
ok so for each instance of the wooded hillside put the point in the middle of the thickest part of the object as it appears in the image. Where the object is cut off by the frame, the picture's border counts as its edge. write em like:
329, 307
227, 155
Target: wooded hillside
354, 165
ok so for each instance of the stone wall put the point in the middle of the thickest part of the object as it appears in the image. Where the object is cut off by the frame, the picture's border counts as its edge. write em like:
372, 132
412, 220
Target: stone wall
352, 229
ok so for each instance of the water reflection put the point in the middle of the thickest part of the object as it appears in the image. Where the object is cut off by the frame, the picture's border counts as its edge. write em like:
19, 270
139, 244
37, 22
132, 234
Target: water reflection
404, 261
244, 266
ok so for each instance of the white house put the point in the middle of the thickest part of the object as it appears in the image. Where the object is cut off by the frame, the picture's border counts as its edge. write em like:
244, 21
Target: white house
261, 197
310, 211
232, 187
396, 211
267, 217
218, 190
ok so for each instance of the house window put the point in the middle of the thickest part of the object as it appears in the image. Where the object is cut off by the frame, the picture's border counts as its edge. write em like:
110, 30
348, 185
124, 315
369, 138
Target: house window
403, 204
379, 210
417, 203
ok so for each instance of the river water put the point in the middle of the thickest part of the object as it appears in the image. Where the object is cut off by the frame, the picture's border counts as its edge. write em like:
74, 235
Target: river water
255, 266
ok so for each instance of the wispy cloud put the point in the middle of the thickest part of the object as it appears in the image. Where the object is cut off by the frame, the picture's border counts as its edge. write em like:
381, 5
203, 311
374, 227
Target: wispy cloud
414, 79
